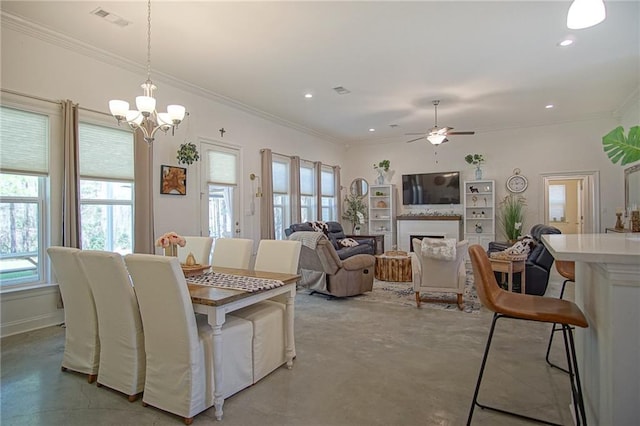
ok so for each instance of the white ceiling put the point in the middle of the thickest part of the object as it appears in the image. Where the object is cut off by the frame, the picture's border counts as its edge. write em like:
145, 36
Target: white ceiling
493, 65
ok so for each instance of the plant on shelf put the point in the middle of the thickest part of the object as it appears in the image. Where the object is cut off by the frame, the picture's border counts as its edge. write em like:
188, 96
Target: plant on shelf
188, 153
384, 165
511, 216
355, 211
384, 174
619, 147
475, 159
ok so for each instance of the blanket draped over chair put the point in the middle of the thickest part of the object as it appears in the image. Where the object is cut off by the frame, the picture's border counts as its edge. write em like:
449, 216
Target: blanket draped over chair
439, 248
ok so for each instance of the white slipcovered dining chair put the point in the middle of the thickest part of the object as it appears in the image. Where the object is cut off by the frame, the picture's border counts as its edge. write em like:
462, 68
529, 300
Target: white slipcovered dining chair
122, 356
179, 344
438, 266
268, 317
199, 246
232, 253
81, 344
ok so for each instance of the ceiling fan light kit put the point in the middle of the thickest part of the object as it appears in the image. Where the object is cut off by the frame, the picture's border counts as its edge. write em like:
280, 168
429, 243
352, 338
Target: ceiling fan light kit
437, 135
585, 13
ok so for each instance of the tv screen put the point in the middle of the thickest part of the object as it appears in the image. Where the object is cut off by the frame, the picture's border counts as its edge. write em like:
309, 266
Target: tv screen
431, 188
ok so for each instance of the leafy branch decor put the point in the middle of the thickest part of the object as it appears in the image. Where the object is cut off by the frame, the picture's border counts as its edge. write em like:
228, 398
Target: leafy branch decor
384, 165
188, 153
475, 159
511, 216
356, 210
619, 147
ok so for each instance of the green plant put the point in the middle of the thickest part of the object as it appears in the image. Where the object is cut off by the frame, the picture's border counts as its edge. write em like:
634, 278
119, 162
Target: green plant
511, 215
188, 153
475, 159
384, 165
622, 148
355, 211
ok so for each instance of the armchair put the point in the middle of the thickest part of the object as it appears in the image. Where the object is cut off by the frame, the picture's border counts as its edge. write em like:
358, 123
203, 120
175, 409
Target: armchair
538, 264
439, 275
335, 277
335, 234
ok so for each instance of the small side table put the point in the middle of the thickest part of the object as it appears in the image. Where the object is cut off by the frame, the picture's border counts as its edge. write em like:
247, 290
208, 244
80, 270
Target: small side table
506, 266
393, 266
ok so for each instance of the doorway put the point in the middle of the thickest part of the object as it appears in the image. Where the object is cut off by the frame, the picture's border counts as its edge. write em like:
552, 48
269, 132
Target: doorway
571, 202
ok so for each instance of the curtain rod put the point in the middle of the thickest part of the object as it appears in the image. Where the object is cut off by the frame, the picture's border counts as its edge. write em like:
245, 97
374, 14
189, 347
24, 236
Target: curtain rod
301, 159
38, 98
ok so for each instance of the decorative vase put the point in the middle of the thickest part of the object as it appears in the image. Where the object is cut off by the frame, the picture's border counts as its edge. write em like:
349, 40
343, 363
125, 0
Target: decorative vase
478, 173
380, 179
171, 250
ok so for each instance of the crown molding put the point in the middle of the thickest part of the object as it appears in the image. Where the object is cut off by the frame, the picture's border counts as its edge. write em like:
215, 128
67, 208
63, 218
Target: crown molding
47, 35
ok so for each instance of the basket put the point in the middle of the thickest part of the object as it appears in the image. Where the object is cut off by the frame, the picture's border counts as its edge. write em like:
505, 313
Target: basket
499, 255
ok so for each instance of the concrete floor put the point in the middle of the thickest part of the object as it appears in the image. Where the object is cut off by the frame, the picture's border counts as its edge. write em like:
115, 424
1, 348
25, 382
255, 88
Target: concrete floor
357, 364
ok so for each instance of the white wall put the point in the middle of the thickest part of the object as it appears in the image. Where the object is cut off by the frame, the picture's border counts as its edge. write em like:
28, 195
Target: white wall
36, 67
556, 148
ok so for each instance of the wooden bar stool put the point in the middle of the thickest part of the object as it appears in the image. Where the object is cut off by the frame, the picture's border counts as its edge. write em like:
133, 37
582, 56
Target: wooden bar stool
568, 270
529, 308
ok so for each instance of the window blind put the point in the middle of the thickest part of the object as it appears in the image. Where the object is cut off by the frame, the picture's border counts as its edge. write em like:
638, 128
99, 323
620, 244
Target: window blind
105, 152
280, 177
223, 167
307, 179
24, 141
328, 182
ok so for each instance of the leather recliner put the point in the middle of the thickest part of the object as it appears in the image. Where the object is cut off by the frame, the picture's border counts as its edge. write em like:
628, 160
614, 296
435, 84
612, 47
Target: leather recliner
538, 263
335, 234
334, 276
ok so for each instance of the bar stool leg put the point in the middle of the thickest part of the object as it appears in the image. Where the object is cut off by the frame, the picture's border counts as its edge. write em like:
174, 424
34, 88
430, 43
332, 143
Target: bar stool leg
554, 328
574, 376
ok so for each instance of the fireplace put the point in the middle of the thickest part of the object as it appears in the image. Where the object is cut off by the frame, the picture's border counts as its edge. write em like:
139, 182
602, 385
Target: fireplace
420, 237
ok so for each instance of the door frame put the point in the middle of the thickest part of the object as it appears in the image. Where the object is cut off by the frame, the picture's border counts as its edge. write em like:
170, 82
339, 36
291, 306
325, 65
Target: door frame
589, 200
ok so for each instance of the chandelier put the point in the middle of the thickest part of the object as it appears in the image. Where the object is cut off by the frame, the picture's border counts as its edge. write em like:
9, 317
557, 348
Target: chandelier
146, 117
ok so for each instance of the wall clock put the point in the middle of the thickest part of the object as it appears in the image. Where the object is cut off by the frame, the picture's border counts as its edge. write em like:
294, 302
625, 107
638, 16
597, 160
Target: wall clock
517, 183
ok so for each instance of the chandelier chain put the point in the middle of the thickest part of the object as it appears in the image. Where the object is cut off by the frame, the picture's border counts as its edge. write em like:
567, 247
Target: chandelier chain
149, 40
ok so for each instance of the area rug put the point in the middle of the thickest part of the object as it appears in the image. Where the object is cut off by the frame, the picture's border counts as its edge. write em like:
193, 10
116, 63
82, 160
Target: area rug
401, 293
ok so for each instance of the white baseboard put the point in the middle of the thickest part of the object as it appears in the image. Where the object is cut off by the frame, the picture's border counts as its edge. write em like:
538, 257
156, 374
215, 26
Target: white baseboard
30, 324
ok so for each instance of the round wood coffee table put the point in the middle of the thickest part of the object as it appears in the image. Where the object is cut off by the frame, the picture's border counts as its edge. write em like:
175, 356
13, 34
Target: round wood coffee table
393, 266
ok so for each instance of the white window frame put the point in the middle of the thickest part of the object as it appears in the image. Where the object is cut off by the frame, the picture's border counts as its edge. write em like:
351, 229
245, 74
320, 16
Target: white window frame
308, 208
329, 198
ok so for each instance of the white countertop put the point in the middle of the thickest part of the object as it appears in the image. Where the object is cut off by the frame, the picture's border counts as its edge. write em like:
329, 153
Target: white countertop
595, 248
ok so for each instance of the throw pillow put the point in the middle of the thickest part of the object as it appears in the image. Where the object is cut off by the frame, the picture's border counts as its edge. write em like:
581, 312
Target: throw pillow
349, 242
522, 246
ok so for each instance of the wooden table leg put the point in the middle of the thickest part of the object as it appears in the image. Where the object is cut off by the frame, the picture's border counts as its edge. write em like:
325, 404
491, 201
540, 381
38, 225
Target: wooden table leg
510, 278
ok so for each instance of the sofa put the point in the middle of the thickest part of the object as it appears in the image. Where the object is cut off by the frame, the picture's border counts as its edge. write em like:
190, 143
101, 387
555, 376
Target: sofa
324, 272
538, 264
335, 235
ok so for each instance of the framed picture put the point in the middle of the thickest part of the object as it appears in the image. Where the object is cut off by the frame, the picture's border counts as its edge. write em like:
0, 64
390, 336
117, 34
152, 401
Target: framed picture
173, 180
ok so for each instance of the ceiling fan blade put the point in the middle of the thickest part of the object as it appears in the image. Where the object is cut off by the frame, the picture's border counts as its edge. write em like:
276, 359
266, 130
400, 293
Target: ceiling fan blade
461, 133
416, 139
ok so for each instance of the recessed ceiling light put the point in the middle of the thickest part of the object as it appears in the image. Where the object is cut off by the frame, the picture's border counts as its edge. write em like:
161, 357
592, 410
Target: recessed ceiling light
566, 42
372, 130
549, 106
308, 95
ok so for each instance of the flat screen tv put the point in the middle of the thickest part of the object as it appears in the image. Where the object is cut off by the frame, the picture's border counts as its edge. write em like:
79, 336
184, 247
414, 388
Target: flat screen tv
431, 188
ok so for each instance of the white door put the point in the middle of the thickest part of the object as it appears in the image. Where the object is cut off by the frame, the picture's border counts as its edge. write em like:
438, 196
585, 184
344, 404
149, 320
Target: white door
220, 190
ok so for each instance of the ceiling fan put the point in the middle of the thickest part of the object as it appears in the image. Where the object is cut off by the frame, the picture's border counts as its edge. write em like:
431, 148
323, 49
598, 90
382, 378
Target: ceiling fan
437, 135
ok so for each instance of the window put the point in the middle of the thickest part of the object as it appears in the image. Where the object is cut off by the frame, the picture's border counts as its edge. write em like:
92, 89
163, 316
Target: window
557, 203
281, 195
106, 188
328, 187
222, 167
24, 165
307, 191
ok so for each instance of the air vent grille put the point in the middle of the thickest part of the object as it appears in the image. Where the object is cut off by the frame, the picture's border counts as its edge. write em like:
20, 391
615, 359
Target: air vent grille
341, 90
111, 17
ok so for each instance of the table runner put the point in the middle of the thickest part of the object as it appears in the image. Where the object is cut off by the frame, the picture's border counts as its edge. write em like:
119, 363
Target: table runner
235, 282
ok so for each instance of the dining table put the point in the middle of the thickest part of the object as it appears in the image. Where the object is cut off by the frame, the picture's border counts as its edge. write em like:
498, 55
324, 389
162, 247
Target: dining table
224, 290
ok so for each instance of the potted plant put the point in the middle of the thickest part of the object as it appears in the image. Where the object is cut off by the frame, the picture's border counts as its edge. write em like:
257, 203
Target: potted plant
355, 211
187, 153
383, 171
477, 160
511, 216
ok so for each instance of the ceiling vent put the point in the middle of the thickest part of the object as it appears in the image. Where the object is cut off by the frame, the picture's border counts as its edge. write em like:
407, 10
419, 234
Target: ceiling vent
341, 90
108, 16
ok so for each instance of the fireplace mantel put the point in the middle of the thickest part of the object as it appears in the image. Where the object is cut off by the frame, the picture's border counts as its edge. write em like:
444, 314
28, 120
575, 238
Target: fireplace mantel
435, 226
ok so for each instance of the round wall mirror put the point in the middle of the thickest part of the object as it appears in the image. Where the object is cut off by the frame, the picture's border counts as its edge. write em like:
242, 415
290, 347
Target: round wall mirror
359, 187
